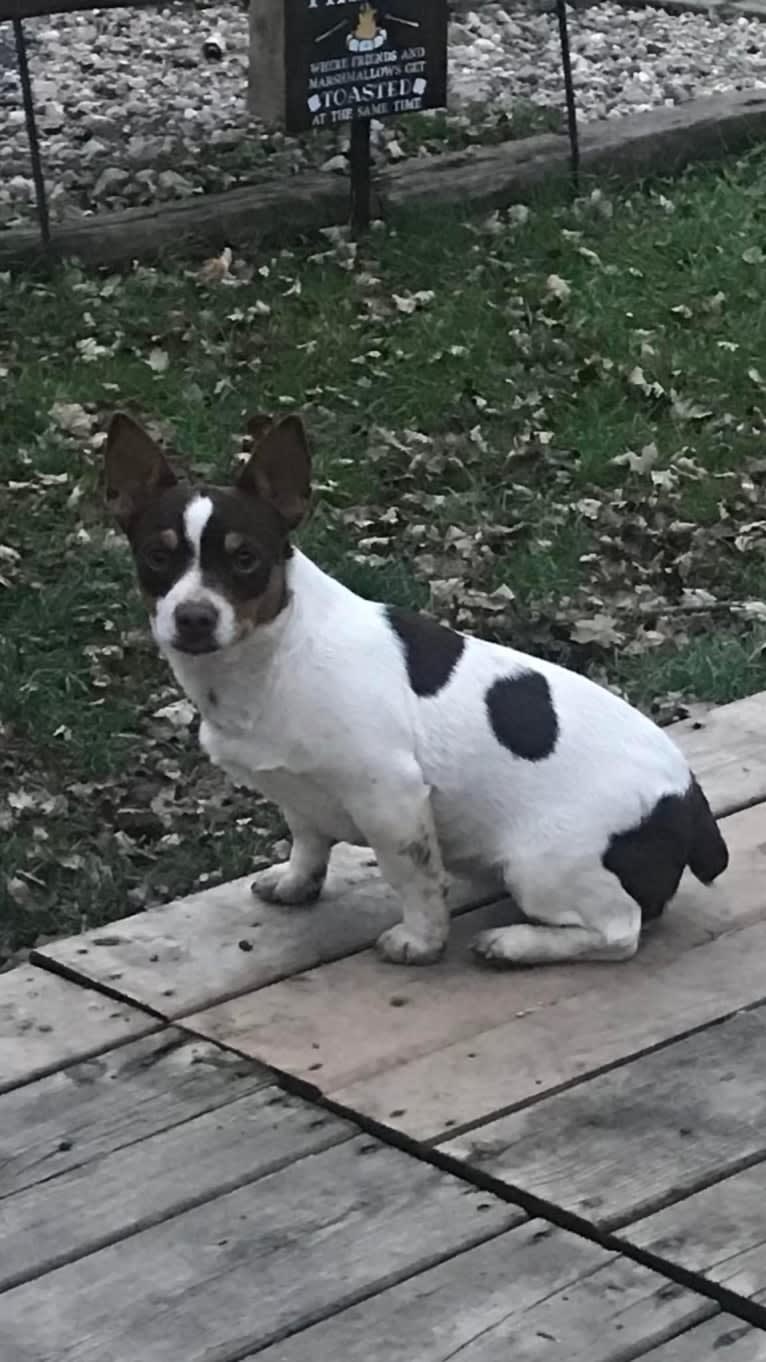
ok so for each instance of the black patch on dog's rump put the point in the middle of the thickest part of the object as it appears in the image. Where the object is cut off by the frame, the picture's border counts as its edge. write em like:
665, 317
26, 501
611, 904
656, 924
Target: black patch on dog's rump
523, 716
431, 650
650, 858
709, 854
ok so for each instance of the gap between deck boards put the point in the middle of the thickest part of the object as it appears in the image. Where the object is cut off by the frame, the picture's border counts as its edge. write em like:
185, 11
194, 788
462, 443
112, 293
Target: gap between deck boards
732, 1302
750, 1311
744, 1308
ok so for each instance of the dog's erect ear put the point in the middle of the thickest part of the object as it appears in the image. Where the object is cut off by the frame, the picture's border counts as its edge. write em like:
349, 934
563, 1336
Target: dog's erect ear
279, 468
258, 425
136, 468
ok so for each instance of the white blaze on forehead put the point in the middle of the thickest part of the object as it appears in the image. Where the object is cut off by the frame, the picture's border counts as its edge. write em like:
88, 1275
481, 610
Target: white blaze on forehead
196, 517
190, 586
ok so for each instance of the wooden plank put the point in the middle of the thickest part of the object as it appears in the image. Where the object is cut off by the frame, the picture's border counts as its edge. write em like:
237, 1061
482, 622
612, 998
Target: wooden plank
270, 210
47, 1022
486, 177
28, 9
114, 1100
354, 1018
727, 751
146, 1183
519, 1061
242, 1270
189, 954
619, 1146
723, 1337
534, 1295
719, 1232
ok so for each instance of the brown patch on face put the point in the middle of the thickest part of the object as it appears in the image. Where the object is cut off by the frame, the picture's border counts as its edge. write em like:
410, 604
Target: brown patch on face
264, 608
244, 546
157, 539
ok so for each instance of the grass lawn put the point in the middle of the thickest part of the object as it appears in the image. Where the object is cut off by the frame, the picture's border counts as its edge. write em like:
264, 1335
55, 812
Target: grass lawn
548, 428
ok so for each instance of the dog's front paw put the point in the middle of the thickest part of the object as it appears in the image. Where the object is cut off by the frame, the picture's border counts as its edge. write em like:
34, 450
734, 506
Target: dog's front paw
401, 947
279, 884
492, 946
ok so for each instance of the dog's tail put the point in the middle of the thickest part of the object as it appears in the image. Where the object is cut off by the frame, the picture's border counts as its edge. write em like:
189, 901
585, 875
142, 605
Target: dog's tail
708, 853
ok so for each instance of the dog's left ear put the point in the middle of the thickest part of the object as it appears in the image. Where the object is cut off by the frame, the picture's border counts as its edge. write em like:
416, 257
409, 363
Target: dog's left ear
279, 468
136, 468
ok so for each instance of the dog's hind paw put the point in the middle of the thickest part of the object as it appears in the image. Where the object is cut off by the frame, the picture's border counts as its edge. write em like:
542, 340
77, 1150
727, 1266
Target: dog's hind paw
279, 884
401, 947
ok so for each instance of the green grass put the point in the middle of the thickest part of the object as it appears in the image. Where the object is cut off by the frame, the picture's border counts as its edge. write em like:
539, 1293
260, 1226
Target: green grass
463, 448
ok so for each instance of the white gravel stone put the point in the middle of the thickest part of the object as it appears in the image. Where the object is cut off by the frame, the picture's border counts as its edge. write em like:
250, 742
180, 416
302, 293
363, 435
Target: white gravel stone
131, 107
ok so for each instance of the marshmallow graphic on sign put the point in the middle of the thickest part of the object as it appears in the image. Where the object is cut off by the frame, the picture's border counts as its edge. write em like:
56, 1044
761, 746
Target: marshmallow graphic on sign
314, 103
419, 86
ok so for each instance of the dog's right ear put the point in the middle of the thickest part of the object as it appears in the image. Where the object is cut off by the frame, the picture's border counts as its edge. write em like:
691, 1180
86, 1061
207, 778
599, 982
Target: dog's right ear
136, 468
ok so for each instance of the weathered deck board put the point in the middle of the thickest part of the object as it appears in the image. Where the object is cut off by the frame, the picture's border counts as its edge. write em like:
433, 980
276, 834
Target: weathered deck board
46, 1022
719, 1232
521, 1059
616, 1147
351, 1019
243, 1269
113, 1100
188, 955
147, 1182
727, 751
534, 1295
723, 1337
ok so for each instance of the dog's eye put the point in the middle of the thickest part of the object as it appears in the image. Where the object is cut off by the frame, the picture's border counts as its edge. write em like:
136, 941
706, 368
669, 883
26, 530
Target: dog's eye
244, 561
157, 557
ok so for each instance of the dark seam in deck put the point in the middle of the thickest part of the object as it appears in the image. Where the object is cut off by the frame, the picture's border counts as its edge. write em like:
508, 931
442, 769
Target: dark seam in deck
536, 1207
540, 1208
75, 976
732, 1302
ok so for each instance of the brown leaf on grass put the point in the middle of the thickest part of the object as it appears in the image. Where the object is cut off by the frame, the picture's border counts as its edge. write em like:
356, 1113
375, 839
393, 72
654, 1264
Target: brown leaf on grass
638, 463
601, 629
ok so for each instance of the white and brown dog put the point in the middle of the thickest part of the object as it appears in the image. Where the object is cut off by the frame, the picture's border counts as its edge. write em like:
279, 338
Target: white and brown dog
374, 726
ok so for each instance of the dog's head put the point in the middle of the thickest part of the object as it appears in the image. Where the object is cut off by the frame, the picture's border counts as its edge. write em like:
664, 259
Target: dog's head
211, 561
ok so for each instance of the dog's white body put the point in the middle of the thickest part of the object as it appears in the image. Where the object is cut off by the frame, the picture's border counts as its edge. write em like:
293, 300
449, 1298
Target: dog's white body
316, 711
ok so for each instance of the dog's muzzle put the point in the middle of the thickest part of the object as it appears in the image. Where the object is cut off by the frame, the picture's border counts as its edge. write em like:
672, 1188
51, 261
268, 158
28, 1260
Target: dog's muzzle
196, 623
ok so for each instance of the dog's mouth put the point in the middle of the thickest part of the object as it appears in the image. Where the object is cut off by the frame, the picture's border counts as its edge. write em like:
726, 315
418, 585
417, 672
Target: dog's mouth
196, 646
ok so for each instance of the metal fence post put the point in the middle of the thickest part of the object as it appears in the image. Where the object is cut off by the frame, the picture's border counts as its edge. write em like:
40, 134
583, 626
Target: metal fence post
34, 145
574, 144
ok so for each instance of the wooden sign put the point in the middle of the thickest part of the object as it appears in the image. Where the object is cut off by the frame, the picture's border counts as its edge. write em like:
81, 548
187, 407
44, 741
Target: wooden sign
348, 59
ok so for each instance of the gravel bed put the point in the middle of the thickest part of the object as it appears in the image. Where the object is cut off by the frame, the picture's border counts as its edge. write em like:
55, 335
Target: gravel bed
145, 105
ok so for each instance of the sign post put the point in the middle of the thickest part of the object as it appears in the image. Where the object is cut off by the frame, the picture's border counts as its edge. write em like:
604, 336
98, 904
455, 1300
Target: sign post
349, 61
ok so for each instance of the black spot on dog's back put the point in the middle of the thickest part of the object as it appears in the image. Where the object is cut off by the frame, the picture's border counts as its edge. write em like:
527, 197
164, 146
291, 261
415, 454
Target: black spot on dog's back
523, 716
431, 651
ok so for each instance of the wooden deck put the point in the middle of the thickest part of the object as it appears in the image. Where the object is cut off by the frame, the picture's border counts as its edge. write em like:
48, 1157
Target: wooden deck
227, 1131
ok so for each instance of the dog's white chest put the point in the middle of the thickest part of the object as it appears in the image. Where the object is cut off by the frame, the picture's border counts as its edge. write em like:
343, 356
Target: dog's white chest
277, 775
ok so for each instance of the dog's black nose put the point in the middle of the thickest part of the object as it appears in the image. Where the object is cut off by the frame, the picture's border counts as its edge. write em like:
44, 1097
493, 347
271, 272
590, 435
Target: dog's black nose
195, 624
